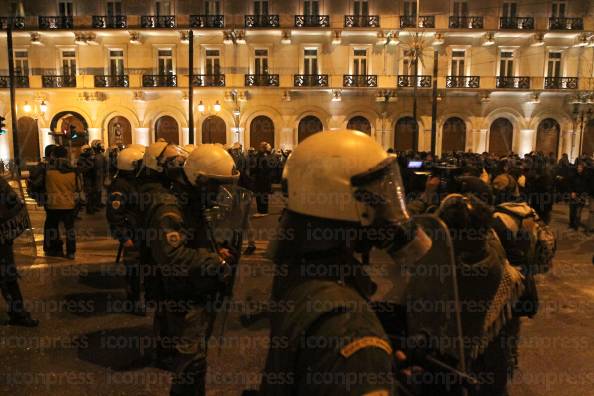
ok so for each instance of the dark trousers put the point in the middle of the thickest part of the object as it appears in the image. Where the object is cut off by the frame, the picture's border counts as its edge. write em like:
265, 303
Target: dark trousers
52, 230
262, 202
9, 285
575, 213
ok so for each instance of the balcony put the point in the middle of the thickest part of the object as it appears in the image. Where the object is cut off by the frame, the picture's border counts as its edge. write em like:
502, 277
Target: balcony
56, 22
310, 80
20, 81
159, 80
463, 82
110, 21
566, 24
262, 21
521, 23
409, 21
112, 81
318, 21
466, 22
207, 21
359, 81
561, 83
65, 81
261, 80
14, 22
157, 21
408, 81
511, 82
361, 21
208, 80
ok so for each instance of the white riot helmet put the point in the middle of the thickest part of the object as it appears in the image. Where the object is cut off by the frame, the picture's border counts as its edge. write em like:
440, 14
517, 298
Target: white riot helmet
137, 146
189, 147
128, 159
157, 153
84, 148
210, 161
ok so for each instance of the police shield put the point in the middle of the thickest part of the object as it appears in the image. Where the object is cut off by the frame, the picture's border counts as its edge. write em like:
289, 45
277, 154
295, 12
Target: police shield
431, 297
228, 220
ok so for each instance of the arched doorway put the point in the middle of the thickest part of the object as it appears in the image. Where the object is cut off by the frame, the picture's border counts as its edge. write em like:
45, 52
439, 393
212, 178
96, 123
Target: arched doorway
360, 123
308, 126
28, 135
214, 130
261, 130
547, 136
453, 135
588, 139
404, 134
501, 137
119, 131
166, 128
67, 123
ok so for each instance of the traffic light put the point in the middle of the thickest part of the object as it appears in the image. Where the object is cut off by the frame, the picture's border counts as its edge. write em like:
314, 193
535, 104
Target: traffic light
3, 130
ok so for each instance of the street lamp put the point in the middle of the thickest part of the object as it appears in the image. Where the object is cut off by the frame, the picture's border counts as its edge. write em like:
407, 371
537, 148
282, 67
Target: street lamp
217, 107
27, 107
43, 107
201, 107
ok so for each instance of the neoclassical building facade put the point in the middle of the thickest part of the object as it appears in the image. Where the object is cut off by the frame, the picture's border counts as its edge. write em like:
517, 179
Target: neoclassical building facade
508, 75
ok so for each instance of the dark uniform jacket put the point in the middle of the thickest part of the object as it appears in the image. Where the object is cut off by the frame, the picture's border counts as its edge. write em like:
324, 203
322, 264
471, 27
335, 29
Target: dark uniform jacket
122, 210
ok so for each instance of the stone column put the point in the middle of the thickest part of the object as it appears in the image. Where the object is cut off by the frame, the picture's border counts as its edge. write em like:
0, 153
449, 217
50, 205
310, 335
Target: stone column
479, 140
526, 141
95, 134
141, 136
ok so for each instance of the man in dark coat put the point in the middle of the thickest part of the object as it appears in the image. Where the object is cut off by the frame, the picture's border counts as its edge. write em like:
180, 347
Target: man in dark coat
262, 176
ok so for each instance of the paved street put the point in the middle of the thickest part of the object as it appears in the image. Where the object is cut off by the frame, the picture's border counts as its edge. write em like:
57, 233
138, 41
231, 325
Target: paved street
86, 346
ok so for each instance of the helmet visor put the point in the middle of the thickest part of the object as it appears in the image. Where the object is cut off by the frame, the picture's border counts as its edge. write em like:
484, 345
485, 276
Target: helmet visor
380, 194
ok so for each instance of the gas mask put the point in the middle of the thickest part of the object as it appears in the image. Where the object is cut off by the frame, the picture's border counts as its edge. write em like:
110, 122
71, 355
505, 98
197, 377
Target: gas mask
381, 206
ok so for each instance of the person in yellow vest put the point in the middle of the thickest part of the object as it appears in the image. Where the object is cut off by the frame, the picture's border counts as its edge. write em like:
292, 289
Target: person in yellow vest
62, 186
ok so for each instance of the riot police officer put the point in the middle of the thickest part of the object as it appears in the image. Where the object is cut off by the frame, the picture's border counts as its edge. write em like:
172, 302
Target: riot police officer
86, 167
345, 196
123, 218
13, 221
100, 166
192, 273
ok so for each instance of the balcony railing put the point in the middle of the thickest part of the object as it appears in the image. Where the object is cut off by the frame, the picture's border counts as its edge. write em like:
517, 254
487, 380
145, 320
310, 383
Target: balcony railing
262, 21
56, 22
15, 22
20, 81
409, 21
408, 81
109, 81
312, 21
466, 22
261, 80
159, 80
310, 80
157, 21
513, 82
522, 23
208, 80
207, 21
566, 24
110, 21
65, 81
463, 82
361, 21
561, 83
359, 80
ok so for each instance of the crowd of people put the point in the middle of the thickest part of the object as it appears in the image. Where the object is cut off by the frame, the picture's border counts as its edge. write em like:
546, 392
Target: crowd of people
160, 203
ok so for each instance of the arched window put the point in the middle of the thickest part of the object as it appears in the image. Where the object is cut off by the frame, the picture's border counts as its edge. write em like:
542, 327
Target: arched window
547, 136
501, 137
308, 126
404, 134
261, 130
119, 131
166, 128
214, 130
28, 140
453, 135
360, 123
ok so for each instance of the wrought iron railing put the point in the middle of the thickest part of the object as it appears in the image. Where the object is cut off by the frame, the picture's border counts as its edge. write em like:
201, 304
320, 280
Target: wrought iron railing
262, 21
522, 82
312, 21
408, 81
566, 23
157, 21
110, 21
20, 81
208, 80
359, 80
561, 83
409, 21
64, 81
14, 21
466, 22
522, 23
262, 80
310, 80
365, 21
463, 82
207, 21
56, 22
159, 80
109, 81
